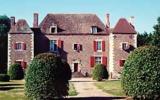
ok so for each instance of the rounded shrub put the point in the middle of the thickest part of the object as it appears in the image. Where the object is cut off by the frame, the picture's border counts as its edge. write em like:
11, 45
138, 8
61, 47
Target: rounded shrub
46, 78
67, 71
100, 72
141, 74
16, 72
4, 78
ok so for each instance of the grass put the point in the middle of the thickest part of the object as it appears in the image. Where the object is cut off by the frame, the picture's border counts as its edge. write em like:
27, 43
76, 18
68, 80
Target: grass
14, 90
111, 86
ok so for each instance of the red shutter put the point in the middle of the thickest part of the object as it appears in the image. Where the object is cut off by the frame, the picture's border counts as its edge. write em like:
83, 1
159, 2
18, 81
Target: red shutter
80, 47
104, 61
94, 46
14, 45
24, 64
24, 46
121, 62
92, 61
60, 44
103, 45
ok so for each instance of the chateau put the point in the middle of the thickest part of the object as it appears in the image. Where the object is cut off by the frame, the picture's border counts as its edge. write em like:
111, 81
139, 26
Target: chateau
83, 40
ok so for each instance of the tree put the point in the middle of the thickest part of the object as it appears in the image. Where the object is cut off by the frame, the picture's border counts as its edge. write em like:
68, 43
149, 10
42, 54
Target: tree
143, 39
47, 78
141, 75
4, 28
156, 34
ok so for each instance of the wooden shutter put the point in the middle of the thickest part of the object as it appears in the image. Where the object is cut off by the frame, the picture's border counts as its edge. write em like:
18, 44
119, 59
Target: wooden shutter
24, 64
104, 61
94, 46
92, 61
24, 46
103, 45
121, 63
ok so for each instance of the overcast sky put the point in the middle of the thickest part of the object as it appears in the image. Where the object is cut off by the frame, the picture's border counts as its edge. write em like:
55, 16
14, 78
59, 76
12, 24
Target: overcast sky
145, 11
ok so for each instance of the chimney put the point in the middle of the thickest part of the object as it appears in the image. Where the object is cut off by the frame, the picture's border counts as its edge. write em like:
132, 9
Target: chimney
131, 20
107, 21
12, 21
35, 20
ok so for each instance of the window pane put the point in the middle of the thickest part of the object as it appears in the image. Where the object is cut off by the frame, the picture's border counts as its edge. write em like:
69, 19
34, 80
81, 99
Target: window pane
98, 60
18, 46
99, 45
53, 45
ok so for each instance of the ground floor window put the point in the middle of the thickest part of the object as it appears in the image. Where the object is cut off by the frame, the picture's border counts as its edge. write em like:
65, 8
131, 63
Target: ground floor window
22, 63
98, 60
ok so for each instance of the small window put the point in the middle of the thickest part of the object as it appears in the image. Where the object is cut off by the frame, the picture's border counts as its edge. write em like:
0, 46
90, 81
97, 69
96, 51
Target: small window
18, 46
98, 60
94, 29
99, 45
121, 63
53, 46
53, 29
124, 46
78, 47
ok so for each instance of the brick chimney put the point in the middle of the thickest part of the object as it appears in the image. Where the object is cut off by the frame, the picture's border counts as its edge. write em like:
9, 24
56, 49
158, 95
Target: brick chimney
12, 21
35, 20
107, 21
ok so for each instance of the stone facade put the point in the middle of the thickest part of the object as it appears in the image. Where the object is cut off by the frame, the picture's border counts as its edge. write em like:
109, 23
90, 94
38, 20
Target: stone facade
80, 39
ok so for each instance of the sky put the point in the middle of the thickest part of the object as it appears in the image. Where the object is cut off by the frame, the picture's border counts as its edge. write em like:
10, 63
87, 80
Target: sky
145, 12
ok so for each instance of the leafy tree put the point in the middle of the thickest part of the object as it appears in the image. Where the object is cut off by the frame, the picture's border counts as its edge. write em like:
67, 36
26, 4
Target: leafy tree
143, 39
47, 78
141, 75
4, 28
156, 34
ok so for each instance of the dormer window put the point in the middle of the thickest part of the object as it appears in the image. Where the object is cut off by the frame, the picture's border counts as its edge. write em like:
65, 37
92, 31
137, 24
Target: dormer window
93, 29
53, 29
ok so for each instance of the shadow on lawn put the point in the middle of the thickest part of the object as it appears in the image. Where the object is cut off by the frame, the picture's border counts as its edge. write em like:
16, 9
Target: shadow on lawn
96, 98
9, 88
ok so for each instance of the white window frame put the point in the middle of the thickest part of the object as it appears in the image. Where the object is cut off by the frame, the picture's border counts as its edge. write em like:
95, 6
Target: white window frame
121, 45
54, 46
77, 45
21, 46
53, 26
98, 40
92, 29
95, 59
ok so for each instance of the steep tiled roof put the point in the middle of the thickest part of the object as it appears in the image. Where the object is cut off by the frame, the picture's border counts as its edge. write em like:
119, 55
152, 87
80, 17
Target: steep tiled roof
123, 26
72, 23
21, 27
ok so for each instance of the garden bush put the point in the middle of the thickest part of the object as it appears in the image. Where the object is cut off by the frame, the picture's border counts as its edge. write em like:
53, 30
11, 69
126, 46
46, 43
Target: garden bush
100, 72
4, 78
141, 74
16, 72
46, 78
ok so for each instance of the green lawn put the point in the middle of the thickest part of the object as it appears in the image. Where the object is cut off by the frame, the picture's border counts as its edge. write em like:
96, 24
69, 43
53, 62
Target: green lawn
111, 87
14, 90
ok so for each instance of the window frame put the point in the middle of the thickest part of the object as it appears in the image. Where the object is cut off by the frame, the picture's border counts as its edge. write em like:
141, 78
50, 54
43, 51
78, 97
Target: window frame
53, 26
94, 29
55, 45
21, 44
121, 46
98, 40
99, 60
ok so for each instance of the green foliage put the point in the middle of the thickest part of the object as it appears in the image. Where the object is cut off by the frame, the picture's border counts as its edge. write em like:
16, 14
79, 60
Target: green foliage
143, 39
4, 28
46, 78
4, 78
141, 73
16, 72
67, 70
100, 72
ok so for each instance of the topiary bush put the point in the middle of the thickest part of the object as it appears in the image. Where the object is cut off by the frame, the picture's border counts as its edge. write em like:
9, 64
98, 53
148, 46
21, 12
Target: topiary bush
67, 70
141, 74
100, 72
16, 72
4, 78
46, 78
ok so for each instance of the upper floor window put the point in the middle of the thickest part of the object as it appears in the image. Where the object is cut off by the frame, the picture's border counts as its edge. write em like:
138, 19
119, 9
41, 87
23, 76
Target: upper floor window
124, 46
53, 29
99, 45
98, 60
78, 47
19, 46
93, 29
53, 46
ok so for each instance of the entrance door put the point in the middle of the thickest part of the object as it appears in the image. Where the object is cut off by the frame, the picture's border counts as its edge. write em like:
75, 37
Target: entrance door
75, 67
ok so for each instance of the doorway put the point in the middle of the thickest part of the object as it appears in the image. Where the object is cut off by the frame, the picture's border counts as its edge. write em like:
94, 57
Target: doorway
75, 67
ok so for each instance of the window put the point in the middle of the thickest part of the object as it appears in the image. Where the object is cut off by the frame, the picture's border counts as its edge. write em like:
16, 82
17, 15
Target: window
98, 60
124, 46
77, 47
20, 46
99, 45
94, 29
53, 29
53, 45
121, 63
22, 63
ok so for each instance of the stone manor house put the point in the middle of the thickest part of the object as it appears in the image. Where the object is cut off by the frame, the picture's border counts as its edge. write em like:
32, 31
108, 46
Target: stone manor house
83, 40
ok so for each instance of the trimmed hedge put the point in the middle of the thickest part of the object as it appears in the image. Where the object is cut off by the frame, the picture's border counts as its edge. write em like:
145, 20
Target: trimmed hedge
16, 72
4, 78
47, 78
141, 74
100, 72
